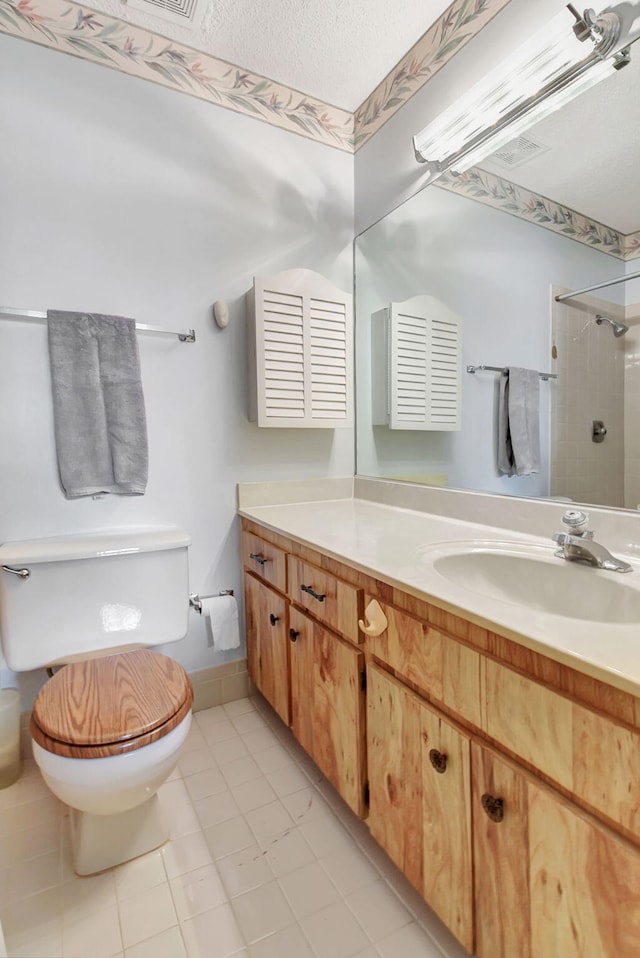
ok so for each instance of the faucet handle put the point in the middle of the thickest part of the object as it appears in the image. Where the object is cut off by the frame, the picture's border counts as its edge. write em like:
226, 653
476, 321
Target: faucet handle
576, 522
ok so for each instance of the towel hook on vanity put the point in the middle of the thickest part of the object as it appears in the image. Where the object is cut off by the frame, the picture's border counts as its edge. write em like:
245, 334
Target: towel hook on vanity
375, 621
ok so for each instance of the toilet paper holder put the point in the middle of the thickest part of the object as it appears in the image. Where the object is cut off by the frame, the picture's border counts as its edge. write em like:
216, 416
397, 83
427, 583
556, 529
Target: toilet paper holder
195, 600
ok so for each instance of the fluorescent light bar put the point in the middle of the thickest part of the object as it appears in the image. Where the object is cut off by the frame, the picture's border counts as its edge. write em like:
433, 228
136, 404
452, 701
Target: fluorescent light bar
540, 77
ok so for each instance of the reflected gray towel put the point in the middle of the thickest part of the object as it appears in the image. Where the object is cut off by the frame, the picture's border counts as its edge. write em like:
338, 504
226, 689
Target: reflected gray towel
519, 422
100, 421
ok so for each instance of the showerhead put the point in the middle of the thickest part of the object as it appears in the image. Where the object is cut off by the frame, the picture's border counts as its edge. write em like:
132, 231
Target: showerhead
619, 329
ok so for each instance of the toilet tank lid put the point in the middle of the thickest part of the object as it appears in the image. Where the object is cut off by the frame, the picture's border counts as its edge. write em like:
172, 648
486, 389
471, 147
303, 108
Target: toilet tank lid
92, 546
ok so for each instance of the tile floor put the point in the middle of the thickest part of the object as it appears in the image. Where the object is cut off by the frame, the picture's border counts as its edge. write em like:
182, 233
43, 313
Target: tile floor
264, 861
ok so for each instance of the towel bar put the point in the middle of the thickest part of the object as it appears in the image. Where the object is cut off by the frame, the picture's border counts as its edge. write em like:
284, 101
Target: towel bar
35, 316
503, 369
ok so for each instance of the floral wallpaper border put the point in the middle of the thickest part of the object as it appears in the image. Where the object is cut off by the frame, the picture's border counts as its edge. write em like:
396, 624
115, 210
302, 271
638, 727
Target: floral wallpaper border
72, 28
462, 21
500, 194
75, 29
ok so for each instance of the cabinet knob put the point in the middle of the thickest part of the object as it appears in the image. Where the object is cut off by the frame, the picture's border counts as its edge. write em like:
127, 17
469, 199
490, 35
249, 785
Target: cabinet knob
494, 807
375, 621
258, 558
273, 619
293, 635
438, 760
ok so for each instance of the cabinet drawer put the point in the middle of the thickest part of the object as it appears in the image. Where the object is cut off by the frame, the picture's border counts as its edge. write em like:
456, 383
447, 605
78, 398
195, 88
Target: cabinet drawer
265, 560
327, 598
595, 758
531, 721
441, 667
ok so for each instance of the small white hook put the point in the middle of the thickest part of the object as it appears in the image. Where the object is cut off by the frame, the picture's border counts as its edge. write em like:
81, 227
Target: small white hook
375, 621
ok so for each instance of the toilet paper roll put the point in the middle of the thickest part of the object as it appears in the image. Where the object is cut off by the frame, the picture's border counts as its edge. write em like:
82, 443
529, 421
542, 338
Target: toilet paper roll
221, 615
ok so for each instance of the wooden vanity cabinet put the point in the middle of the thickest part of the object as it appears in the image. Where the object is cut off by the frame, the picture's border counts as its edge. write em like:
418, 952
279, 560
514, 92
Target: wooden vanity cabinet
268, 644
504, 785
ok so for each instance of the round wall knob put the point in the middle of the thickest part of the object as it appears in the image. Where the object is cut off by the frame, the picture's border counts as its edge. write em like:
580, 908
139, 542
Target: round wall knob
273, 619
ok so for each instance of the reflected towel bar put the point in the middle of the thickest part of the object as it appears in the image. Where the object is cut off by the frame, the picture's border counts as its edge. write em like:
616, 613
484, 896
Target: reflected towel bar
35, 316
503, 369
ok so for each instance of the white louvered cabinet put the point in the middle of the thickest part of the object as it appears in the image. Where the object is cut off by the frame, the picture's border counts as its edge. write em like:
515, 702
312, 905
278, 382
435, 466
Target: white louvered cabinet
300, 351
416, 353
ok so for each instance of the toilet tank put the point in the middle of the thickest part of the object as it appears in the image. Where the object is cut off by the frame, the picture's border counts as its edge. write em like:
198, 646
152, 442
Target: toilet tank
87, 595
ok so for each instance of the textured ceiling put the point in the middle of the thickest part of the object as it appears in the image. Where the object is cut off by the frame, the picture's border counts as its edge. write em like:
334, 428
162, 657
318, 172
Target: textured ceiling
335, 50
594, 143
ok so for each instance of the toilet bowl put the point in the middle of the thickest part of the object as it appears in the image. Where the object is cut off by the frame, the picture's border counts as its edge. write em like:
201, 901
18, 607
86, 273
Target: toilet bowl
106, 733
108, 726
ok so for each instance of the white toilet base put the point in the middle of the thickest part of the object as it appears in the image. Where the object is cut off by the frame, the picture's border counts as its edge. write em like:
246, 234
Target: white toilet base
102, 841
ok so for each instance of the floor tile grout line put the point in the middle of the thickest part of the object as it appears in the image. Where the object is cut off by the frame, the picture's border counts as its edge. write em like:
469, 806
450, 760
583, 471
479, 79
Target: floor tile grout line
328, 811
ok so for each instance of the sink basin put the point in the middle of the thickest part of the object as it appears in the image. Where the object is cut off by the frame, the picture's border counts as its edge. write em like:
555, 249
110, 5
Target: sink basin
532, 577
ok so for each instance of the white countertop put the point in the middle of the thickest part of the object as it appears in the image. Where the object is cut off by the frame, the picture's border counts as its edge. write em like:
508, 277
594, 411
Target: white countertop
398, 546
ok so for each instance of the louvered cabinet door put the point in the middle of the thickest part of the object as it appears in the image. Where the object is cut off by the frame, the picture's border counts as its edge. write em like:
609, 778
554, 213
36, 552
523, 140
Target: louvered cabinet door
330, 352
281, 336
416, 357
302, 351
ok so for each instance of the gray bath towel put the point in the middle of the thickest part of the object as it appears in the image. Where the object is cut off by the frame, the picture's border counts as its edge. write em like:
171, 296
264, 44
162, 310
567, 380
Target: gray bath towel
519, 422
100, 422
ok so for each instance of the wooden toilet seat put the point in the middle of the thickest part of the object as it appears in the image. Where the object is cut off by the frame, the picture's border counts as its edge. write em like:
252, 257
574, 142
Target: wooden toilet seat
111, 705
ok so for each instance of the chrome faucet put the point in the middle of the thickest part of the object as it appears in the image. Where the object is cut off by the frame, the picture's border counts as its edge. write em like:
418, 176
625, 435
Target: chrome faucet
577, 545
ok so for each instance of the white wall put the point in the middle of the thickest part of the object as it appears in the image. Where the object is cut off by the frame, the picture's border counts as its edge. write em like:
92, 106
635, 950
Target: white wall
493, 270
122, 197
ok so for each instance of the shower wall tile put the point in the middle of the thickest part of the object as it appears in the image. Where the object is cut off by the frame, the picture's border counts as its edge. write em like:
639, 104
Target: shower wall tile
590, 385
632, 418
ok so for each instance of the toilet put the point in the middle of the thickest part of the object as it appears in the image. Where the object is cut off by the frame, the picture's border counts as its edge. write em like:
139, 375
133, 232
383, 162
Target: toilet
108, 726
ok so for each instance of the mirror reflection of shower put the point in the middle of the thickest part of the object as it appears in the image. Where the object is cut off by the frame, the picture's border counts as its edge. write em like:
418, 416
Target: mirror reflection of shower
593, 339
619, 329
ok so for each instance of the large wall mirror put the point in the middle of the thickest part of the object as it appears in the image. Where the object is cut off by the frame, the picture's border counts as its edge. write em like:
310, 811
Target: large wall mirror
557, 211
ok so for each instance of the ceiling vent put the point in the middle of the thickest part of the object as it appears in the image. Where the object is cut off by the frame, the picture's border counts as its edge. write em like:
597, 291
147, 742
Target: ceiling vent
187, 13
518, 151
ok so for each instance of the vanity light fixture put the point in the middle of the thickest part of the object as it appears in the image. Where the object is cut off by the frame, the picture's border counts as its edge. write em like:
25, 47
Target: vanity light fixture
553, 67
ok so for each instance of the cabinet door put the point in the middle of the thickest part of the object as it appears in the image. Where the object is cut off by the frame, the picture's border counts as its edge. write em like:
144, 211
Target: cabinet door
550, 879
501, 854
446, 816
394, 752
419, 781
585, 883
267, 644
327, 705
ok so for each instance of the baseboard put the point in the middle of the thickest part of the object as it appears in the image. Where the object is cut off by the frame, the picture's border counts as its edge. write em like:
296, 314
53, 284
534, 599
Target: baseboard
220, 684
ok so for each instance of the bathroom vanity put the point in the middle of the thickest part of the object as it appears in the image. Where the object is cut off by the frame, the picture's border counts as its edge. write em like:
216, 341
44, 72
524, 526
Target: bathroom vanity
499, 771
